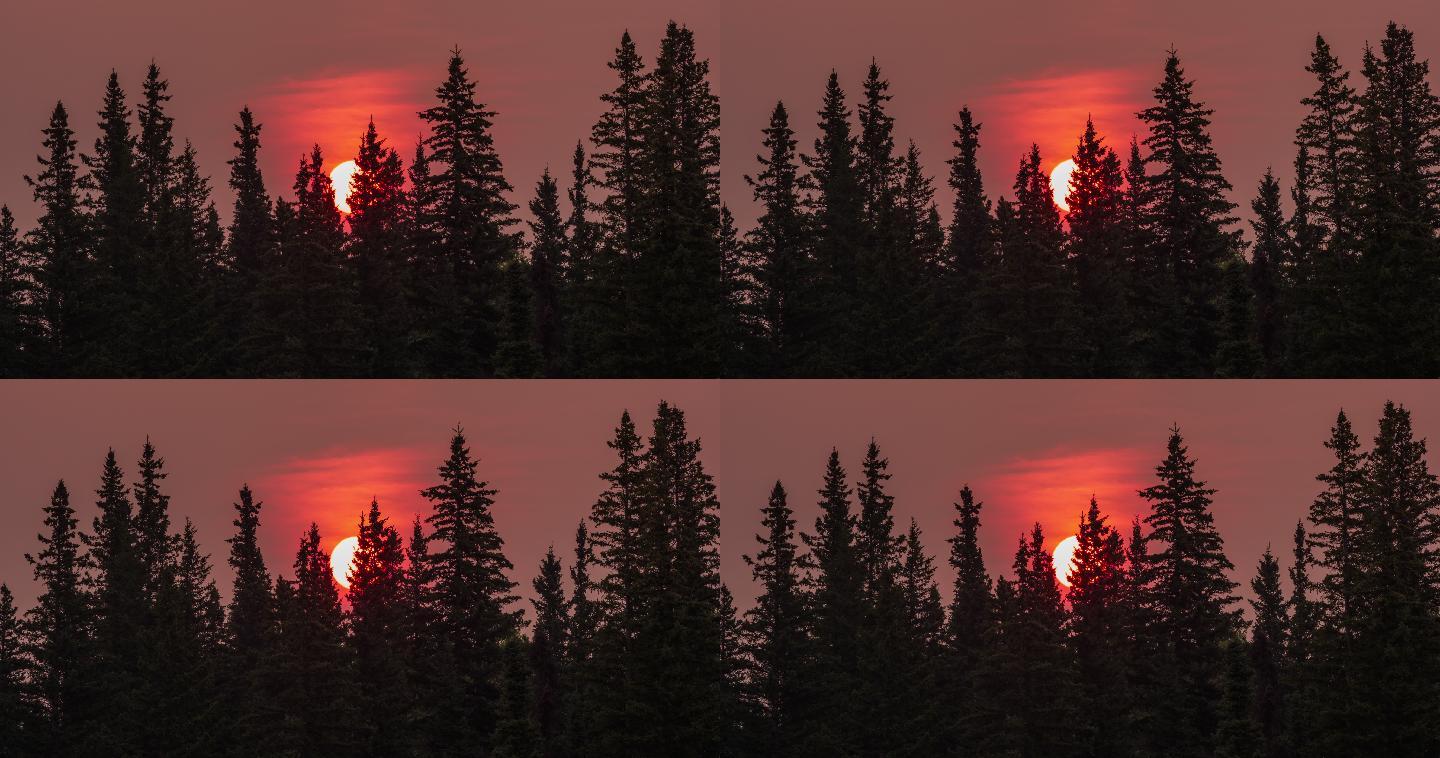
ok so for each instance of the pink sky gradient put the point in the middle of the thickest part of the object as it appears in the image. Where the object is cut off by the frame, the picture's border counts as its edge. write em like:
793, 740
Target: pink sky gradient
1031, 451
314, 72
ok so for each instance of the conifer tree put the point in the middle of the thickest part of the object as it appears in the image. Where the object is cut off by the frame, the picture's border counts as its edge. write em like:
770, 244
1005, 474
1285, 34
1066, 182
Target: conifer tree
471, 588
152, 518
18, 716
517, 354
466, 206
1236, 353
1187, 215
776, 634
377, 633
515, 730
1096, 251
778, 244
1268, 259
969, 633
378, 253
1098, 626
838, 613
549, 673
119, 606
60, 625
249, 629
969, 251
1190, 593
311, 660
1267, 658
250, 251
61, 242
18, 337
547, 274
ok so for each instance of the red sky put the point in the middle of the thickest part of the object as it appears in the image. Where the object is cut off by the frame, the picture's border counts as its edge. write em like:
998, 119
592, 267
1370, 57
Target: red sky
1030, 450
316, 71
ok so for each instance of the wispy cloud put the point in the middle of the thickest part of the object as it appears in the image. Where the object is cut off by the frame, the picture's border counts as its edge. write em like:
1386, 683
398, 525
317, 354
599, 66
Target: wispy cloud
1050, 110
1054, 487
332, 110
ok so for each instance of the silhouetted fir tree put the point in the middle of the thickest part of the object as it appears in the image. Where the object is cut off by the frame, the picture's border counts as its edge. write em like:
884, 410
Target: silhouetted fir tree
183, 280
1236, 354
549, 674
1236, 735
471, 589
1325, 224
378, 252
619, 139
1098, 629
517, 354
885, 627
1030, 309
776, 635
836, 207
61, 242
837, 616
1268, 259
1096, 248
19, 720
685, 325
117, 201
970, 622
1156, 307
250, 246
515, 734
1299, 678
60, 628
1185, 574
1394, 704
120, 611
969, 251
918, 244
547, 274
875, 540
1033, 665
466, 206
250, 632
778, 244
1188, 217
1267, 658
311, 661
377, 634
586, 274
924, 627
1397, 137
19, 337
153, 545
313, 302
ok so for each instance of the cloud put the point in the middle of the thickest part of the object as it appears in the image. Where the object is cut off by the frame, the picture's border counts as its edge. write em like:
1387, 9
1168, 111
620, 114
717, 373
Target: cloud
1050, 110
1054, 487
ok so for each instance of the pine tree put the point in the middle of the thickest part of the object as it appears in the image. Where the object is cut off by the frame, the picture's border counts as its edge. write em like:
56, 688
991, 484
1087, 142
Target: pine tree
547, 274
1098, 585
471, 588
1267, 261
778, 244
467, 206
969, 251
1187, 581
1236, 736
378, 253
60, 626
311, 660
548, 671
250, 253
920, 651
249, 630
1096, 251
838, 615
836, 209
18, 716
517, 354
18, 335
1397, 135
61, 241
1395, 709
971, 620
152, 518
120, 608
1237, 354
776, 634
1267, 657
377, 633
515, 730
1188, 216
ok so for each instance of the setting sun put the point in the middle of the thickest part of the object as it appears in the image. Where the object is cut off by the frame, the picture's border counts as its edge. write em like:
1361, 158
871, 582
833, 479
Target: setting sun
342, 558
1064, 559
1059, 183
341, 175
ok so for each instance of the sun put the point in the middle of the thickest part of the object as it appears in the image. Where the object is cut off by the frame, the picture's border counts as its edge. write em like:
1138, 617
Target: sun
1065, 559
342, 559
1059, 183
340, 177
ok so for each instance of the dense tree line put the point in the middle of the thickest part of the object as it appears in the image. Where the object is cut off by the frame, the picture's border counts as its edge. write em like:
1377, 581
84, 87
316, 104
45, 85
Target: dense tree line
635, 268
636, 647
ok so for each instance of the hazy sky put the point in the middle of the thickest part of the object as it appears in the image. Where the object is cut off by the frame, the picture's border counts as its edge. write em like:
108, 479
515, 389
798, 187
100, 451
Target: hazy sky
314, 71
1030, 450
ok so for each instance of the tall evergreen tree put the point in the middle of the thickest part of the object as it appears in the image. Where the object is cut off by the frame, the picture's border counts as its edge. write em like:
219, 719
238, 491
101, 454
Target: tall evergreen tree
60, 626
1267, 658
1267, 261
377, 632
1096, 251
549, 674
18, 335
776, 634
547, 272
969, 250
377, 251
311, 660
61, 242
18, 716
778, 244
1098, 626
250, 630
838, 614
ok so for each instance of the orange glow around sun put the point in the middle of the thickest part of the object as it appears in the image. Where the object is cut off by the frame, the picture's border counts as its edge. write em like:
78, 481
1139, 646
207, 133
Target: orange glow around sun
341, 176
342, 559
1064, 560
1059, 183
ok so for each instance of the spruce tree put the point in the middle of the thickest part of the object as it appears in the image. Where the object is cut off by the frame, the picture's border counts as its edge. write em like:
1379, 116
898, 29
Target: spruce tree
1188, 217
61, 242
1268, 259
970, 623
60, 629
776, 633
969, 251
377, 633
378, 254
250, 254
1267, 658
466, 203
1185, 574
249, 631
117, 201
120, 606
1097, 252
18, 335
778, 244
547, 273
549, 673
471, 589
1098, 627
18, 716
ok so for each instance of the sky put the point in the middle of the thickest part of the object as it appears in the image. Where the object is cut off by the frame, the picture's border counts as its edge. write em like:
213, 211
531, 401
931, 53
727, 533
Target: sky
1031, 451
1032, 71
